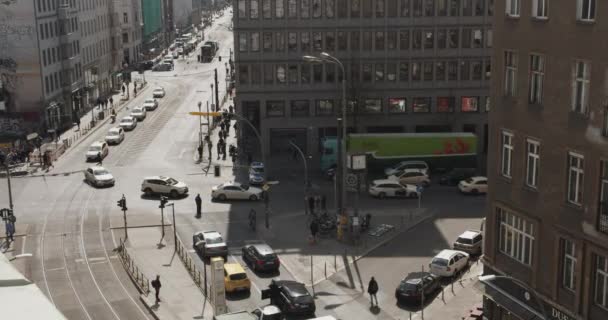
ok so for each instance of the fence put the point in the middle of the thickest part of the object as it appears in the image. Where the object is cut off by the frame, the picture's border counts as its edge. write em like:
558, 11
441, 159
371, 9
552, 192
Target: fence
191, 267
140, 280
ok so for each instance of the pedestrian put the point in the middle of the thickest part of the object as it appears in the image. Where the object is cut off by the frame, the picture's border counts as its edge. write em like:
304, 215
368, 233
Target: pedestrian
210, 149
112, 102
224, 151
231, 109
314, 230
135, 89
100, 163
123, 89
198, 202
10, 230
156, 285
372, 289
200, 152
219, 148
222, 126
49, 159
311, 204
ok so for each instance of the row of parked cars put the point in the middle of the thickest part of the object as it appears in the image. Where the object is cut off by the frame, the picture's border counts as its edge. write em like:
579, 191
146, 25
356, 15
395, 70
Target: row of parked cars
99, 176
403, 179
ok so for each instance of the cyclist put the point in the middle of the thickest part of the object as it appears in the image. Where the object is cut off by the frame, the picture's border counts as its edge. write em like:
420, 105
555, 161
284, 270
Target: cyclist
252, 218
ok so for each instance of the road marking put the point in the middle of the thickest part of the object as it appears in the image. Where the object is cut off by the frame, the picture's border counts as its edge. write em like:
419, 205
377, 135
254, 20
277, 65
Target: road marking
98, 259
23, 244
55, 269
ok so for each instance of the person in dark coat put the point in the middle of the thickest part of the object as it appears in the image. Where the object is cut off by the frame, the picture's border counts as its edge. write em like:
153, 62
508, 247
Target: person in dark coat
372, 289
156, 285
314, 229
198, 202
200, 152
311, 204
224, 151
219, 147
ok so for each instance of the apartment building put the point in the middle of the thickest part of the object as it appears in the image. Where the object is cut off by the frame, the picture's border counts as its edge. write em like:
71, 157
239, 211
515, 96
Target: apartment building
59, 57
410, 66
547, 219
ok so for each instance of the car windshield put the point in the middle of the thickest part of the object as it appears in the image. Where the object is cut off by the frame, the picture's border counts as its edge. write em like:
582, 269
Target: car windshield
214, 240
101, 172
257, 170
149, 100
469, 180
95, 148
171, 181
238, 276
440, 262
464, 240
125, 120
304, 299
245, 187
408, 286
113, 132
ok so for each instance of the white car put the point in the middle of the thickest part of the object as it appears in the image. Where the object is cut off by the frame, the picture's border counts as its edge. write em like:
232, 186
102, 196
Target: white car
128, 123
474, 185
163, 185
98, 176
210, 244
404, 165
150, 104
158, 92
390, 188
139, 113
115, 135
256, 173
412, 176
97, 151
448, 263
233, 190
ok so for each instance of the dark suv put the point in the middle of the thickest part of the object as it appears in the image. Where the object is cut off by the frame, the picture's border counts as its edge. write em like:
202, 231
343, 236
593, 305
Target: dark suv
454, 176
291, 297
261, 257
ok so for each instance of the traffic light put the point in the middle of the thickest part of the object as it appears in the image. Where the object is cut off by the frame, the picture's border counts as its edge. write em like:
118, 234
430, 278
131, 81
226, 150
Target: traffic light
163, 202
122, 203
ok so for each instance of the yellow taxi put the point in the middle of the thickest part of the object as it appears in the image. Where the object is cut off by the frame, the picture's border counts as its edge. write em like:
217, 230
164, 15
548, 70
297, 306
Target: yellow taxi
235, 278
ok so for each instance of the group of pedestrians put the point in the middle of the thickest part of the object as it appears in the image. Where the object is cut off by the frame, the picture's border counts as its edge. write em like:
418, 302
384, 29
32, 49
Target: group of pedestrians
105, 102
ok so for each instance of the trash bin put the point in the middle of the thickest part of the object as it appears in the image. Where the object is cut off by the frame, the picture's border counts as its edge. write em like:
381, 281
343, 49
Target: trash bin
100, 115
216, 170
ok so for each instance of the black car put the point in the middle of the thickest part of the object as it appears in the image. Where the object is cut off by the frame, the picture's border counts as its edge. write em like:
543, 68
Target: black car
146, 65
454, 176
261, 257
291, 297
411, 290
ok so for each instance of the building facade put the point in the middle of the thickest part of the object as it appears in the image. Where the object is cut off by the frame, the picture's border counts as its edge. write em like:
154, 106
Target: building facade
410, 66
59, 57
547, 218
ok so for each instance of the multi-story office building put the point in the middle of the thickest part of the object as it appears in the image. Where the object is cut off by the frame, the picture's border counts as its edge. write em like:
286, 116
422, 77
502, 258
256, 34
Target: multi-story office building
547, 218
60, 56
411, 66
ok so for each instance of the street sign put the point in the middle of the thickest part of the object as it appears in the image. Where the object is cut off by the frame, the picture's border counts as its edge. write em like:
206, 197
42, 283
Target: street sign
211, 114
266, 187
419, 189
351, 180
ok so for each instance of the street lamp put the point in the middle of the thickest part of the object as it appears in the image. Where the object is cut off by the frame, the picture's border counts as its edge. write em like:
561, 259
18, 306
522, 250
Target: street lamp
488, 279
341, 165
200, 125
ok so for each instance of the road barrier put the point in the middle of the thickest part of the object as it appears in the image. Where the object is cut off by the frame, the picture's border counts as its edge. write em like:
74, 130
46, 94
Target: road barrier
195, 274
140, 280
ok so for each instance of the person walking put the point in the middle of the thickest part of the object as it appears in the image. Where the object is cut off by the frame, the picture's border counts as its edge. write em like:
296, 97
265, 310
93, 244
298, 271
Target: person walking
314, 230
219, 147
311, 205
198, 202
224, 151
372, 289
200, 152
231, 109
209, 147
112, 102
156, 285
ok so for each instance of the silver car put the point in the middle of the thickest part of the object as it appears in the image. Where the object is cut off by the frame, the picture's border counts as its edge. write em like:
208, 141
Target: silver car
115, 135
150, 104
139, 113
210, 244
128, 123
99, 176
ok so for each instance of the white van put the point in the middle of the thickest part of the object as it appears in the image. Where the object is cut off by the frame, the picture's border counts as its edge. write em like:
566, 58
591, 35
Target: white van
410, 164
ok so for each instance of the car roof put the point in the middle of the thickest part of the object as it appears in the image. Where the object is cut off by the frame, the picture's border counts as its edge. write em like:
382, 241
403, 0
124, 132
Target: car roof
212, 234
156, 178
402, 171
469, 234
293, 287
97, 143
448, 254
263, 248
97, 168
477, 178
231, 183
127, 117
382, 181
115, 129
232, 268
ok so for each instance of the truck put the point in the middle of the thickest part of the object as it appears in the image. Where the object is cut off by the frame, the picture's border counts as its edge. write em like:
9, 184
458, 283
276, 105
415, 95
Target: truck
208, 51
439, 150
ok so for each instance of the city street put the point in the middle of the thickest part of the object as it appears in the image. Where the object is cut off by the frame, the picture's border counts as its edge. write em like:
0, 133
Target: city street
66, 223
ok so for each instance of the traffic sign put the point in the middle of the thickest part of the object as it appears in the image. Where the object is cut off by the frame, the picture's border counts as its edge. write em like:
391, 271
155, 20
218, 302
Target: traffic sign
351, 180
266, 187
419, 188
211, 114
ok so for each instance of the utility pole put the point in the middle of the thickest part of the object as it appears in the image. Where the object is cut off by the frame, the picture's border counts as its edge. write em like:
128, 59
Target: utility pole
200, 126
172, 204
208, 123
122, 204
217, 99
163, 202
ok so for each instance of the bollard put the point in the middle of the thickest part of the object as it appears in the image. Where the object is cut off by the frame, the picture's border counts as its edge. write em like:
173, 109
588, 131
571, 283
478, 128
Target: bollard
442, 299
452, 285
335, 263
325, 270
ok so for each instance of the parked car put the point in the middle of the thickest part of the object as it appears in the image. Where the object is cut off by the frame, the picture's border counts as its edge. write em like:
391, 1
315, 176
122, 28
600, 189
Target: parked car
256, 173
210, 244
139, 113
391, 188
145, 65
405, 165
268, 312
260, 257
234, 190
412, 176
98, 176
115, 135
235, 278
470, 242
454, 176
291, 297
97, 151
158, 92
413, 289
474, 185
163, 185
448, 263
163, 66
150, 104
128, 123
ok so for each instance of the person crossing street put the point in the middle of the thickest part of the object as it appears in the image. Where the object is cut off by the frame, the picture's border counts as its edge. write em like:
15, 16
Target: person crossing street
198, 202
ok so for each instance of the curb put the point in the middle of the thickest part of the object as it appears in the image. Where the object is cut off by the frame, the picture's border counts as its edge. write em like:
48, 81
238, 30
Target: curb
142, 298
376, 246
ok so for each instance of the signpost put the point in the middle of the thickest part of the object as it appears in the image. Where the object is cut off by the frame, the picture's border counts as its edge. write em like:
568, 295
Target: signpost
419, 190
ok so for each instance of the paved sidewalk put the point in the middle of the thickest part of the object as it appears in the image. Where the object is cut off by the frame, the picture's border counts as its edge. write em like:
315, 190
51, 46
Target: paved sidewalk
180, 297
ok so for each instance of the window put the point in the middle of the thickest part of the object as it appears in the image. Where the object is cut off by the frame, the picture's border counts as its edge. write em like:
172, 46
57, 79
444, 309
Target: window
379, 74
292, 73
392, 10
585, 10
305, 73
453, 38
532, 162
242, 10
317, 73
367, 72
268, 73
405, 8
510, 61
380, 8
429, 8
354, 40
366, 43
355, 8
442, 8
267, 41
440, 71
469, 104
441, 38
366, 6
330, 41
569, 264
465, 70
125, 16
445, 104
391, 40
379, 40
317, 41
256, 74
305, 9
421, 105
603, 205
305, 41
417, 39
330, 73
255, 41
242, 42
477, 38
391, 71
427, 71
325, 107
537, 73
243, 74
275, 108
372, 105
512, 8
404, 71
479, 7
404, 39
429, 42
266, 9
507, 154
601, 281
417, 4
300, 108
454, 8
539, 9
279, 41
254, 9
342, 41
489, 38
516, 236
576, 174
279, 7
397, 105
477, 69
580, 87
342, 9
416, 73
292, 41
467, 7
316, 8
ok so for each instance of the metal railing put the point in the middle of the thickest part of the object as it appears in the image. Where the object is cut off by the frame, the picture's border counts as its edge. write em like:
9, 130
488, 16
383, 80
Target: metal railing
602, 223
140, 280
194, 272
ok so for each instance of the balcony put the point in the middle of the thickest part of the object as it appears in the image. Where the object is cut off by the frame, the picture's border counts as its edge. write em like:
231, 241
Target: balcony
602, 224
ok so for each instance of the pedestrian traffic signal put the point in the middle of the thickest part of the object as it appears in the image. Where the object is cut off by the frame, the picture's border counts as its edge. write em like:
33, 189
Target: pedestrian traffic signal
163, 202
